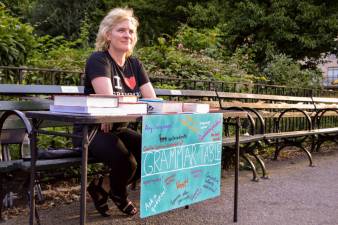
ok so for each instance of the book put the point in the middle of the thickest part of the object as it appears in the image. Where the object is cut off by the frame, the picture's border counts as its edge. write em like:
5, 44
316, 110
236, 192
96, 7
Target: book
88, 110
86, 100
127, 98
150, 100
164, 107
134, 107
196, 107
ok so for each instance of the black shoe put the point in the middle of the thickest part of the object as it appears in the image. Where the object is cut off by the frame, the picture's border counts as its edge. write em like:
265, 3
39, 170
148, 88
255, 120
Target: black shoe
124, 205
99, 196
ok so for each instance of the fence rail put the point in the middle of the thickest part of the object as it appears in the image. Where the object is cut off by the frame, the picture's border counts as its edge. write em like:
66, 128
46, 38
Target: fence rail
26, 75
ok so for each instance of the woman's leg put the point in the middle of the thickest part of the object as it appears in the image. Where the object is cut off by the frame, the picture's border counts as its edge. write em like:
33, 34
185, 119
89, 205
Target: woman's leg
109, 149
132, 140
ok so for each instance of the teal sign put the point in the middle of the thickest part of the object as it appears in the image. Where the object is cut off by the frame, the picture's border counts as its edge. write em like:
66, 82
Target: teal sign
181, 160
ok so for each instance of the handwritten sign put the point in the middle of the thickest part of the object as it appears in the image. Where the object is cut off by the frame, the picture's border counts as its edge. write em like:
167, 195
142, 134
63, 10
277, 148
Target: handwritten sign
181, 160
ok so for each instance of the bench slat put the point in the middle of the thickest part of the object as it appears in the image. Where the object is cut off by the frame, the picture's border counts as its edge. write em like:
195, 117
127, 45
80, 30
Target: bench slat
230, 141
40, 89
48, 164
185, 93
25, 105
233, 95
262, 105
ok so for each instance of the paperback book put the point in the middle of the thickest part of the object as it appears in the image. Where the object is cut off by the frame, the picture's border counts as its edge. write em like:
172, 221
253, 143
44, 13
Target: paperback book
165, 107
196, 107
127, 98
134, 107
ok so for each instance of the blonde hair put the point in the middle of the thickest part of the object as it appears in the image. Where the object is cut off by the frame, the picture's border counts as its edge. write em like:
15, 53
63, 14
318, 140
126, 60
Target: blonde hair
114, 17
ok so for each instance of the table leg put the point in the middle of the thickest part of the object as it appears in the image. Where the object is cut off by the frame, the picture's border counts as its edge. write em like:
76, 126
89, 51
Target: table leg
32, 175
85, 144
236, 169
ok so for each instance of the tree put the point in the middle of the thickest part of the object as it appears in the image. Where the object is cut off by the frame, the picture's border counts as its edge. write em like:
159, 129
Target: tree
301, 29
283, 70
16, 39
157, 17
18, 8
61, 17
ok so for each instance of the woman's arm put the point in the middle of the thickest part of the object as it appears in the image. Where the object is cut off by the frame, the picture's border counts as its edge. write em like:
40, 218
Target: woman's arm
102, 85
147, 90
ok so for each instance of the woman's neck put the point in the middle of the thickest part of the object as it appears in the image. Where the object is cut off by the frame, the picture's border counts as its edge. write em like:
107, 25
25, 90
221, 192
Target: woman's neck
119, 58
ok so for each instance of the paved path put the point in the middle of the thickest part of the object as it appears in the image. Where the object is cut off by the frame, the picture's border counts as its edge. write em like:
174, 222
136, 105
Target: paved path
295, 194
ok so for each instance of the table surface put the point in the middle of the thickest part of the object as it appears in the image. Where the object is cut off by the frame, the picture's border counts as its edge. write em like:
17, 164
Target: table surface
82, 118
95, 119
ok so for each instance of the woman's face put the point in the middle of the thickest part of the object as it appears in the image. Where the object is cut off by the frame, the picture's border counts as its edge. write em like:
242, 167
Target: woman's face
122, 37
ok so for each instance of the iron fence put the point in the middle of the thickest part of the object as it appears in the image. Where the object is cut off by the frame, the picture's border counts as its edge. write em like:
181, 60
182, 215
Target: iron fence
26, 75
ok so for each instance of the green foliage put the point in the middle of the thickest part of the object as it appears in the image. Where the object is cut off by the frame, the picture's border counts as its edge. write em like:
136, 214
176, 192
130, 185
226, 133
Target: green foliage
283, 70
206, 14
156, 17
233, 41
206, 40
16, 39
64, 18
60, 17
62, 58
170, 58
166, 86
298, 28
18, 8
58, 52
166, 60
47, 141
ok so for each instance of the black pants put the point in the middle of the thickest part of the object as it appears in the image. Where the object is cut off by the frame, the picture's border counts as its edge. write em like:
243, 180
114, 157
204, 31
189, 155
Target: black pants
121, 152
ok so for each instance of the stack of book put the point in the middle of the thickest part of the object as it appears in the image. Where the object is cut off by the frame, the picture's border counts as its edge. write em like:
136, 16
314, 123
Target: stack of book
98, 104
159, 106
121, 105
196, 107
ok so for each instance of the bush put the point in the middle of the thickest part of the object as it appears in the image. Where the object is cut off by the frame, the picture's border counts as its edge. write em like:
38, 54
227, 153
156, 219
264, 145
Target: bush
59, 53
16, 40
170, 58
283, 70
206, 40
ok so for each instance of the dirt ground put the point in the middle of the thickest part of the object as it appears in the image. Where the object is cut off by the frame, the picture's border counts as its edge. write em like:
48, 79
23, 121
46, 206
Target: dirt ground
294, 194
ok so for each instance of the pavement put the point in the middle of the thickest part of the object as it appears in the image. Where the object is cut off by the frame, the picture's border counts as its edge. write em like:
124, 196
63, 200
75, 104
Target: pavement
295, 194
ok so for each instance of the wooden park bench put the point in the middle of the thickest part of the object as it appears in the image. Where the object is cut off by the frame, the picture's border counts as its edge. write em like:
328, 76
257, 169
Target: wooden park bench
288, 120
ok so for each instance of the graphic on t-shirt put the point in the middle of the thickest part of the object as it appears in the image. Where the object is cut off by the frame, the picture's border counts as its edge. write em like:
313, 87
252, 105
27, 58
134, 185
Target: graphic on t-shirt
117, 82
130, 82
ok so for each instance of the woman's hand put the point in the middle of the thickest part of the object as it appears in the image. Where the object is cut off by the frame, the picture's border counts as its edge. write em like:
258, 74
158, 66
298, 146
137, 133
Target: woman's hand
106, 127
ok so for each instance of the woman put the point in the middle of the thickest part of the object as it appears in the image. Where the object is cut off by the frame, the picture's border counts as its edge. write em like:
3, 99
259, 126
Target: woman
112, 70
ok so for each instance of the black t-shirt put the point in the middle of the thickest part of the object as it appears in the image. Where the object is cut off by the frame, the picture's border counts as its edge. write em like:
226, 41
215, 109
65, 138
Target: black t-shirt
126, 79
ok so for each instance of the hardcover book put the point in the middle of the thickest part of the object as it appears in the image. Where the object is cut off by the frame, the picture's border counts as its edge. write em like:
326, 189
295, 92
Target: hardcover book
86, 100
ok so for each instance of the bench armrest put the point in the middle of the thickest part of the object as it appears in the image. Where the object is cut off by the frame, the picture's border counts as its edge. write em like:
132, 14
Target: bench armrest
19, 114
320, 114
308, 119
